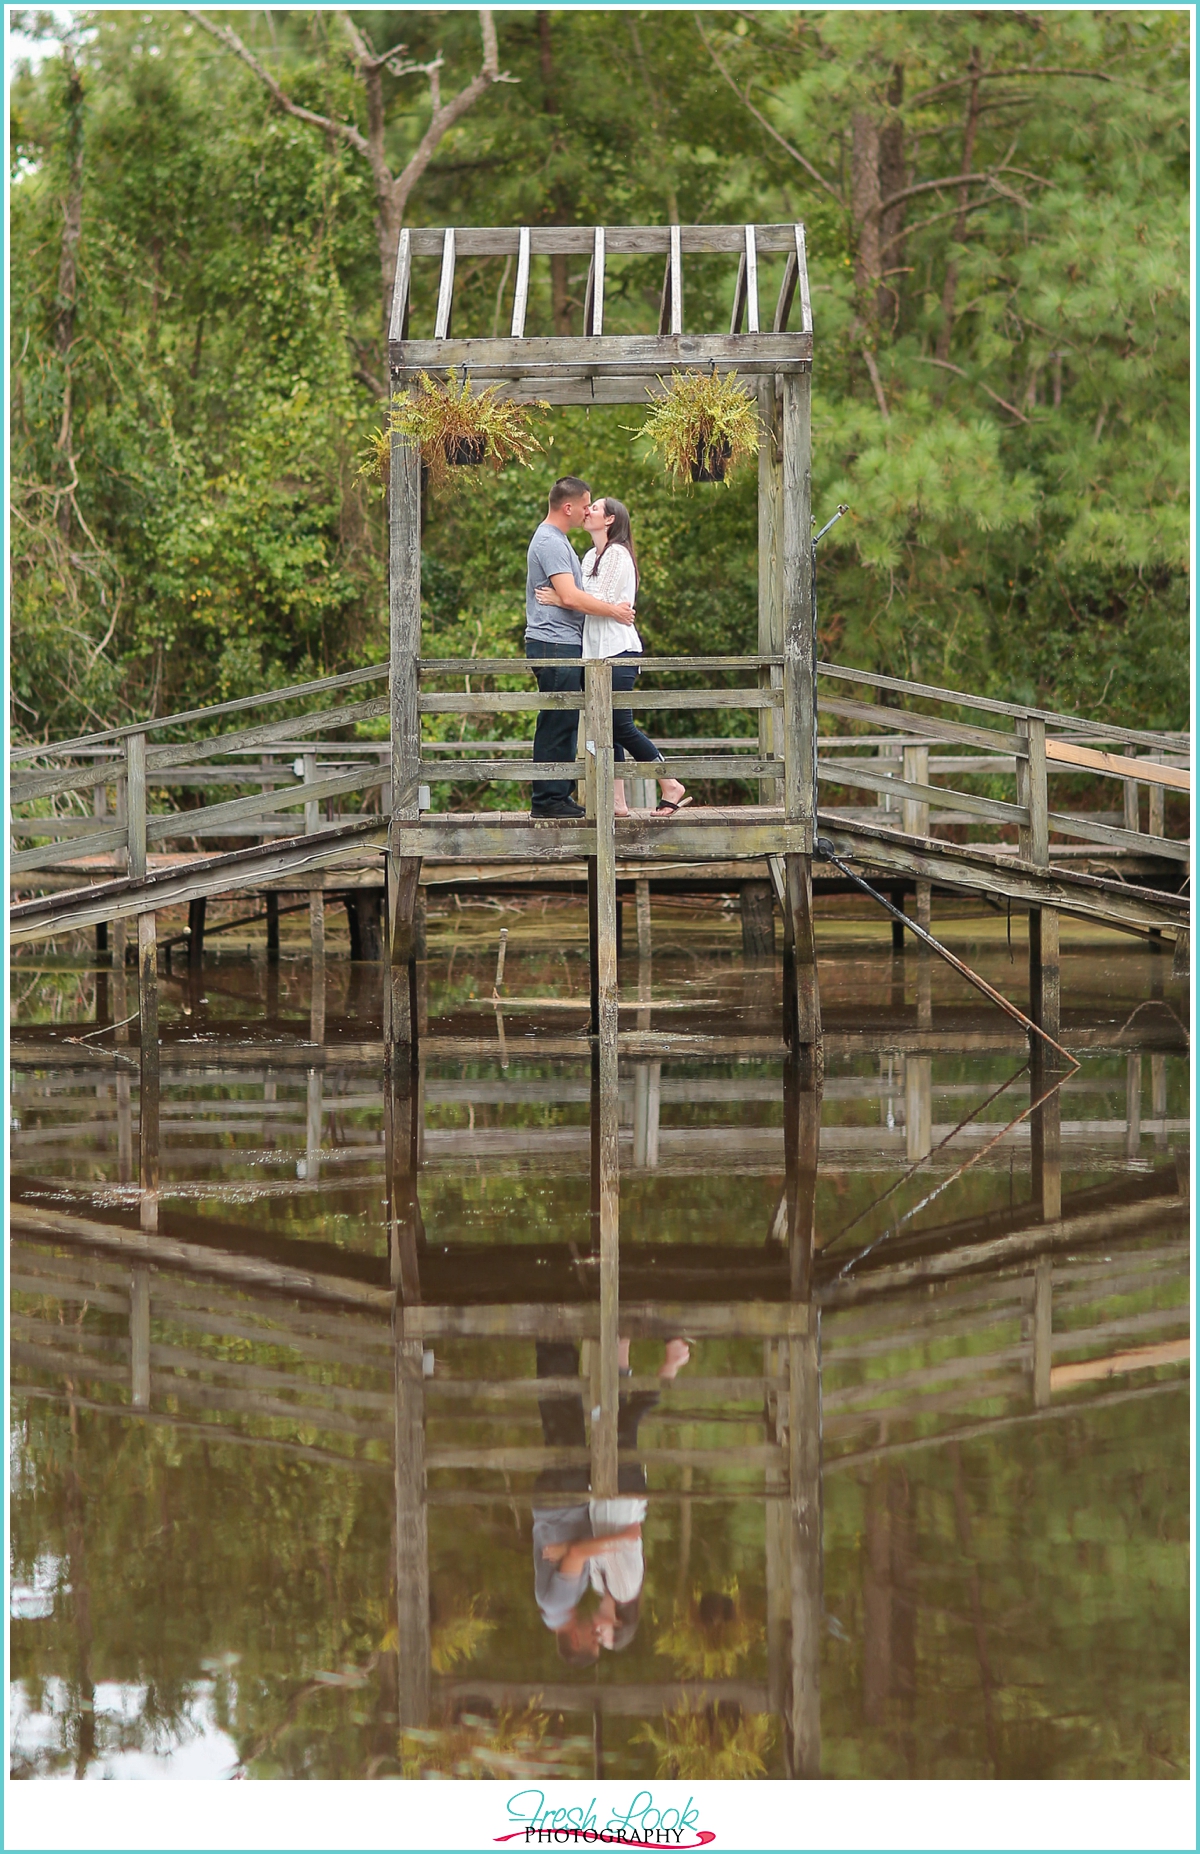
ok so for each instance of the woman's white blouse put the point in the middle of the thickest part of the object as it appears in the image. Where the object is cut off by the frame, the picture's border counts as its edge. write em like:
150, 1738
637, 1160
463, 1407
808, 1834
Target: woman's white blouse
615, 581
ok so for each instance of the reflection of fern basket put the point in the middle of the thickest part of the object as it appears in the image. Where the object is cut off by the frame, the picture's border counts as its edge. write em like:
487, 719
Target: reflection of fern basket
456, 429
703, 427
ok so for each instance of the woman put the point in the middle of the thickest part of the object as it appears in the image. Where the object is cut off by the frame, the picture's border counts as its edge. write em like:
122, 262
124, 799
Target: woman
610, 573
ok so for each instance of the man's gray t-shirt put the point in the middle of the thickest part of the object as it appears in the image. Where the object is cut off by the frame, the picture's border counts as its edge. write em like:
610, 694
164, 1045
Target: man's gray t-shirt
550, 552
557, 1595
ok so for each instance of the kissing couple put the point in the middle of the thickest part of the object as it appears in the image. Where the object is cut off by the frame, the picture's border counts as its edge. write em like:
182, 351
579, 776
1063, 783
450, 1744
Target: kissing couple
585, 609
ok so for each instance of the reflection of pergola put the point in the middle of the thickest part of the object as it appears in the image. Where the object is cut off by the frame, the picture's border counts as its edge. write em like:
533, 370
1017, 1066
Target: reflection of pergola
959, 1280
616, 369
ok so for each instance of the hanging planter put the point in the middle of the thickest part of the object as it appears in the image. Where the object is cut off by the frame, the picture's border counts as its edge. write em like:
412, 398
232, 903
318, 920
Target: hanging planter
708, 465
465, 453
456, 429
702, 427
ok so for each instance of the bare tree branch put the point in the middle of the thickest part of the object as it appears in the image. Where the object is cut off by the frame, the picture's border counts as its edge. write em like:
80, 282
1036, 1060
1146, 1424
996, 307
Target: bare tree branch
767, 125
392, 191
330, 124
445, 115
1017, 70
877, 383
951, 368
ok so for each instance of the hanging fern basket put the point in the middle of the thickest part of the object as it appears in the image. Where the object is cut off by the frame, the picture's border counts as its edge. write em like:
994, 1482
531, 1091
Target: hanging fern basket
708, 465
466, 453
457, 429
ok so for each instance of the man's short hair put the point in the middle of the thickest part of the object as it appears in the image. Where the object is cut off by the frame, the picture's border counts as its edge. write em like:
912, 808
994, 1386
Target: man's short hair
576, 1654
568, 489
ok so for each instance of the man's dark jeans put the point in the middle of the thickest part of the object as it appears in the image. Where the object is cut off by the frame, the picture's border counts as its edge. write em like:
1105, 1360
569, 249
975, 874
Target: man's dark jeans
557, 731
562, 1423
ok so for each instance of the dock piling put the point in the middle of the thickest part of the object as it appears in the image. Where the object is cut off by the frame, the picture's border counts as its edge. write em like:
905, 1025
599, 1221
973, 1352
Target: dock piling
148, 1089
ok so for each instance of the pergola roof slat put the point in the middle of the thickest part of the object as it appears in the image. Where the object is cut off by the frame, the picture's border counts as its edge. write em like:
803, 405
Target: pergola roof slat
621, 240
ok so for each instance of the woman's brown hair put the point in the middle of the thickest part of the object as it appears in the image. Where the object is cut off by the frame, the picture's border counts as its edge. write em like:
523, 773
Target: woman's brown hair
619, 533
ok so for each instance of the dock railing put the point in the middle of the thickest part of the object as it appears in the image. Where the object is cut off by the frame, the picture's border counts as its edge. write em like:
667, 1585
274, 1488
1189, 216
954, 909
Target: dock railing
928, 772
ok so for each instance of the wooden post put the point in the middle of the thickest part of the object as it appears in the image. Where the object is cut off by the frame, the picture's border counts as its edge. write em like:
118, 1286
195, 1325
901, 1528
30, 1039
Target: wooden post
1043, 1288
272, 929
642, 892
411, 1533
148, 1140
1045, 1147
1045, 981
915, 816
602, 868
606, 1194
1133, 1106
647, 1109
197, 909
124, 1128
139, 1338
914, 811
316, 921
757, 901
100, 810
918, 1107
770, 587
804, 1478
402, 1134
135, 803
777, 1543
802, 1011
1157, 821
801, 1146
1158, 1097
312, 1125
401, 1027
1132, 805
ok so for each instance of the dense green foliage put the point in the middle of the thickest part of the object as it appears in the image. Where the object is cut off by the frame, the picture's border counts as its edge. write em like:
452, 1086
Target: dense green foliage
997, 213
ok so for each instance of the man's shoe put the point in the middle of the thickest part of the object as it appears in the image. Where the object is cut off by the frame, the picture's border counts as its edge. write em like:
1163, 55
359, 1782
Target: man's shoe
558, 808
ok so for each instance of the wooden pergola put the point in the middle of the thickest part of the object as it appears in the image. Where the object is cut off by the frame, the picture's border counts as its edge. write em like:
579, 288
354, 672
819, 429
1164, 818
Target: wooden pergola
618, 369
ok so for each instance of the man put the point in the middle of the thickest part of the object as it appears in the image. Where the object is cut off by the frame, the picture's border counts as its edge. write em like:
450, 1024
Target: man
557, 631
569, 1539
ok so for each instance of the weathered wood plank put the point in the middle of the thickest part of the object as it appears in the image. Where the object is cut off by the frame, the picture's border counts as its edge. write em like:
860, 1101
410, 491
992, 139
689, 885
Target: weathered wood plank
500, 356
519, 666
799, 685
593, 305
681, 766
151, 1246
165, 824
99, 843
960, 698
294, 692
398, 324
445, 302
404, 608
1118, 766
521, 292
858, 774
806, 316
1143, 1358
1070, 824
623, 240
906, 722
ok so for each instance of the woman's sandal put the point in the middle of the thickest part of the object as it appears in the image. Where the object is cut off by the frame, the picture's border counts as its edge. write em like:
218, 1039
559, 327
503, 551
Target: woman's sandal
665, 804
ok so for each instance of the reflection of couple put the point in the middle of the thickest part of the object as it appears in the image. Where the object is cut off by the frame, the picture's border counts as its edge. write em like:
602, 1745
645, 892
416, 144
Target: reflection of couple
597, 1544
577, 611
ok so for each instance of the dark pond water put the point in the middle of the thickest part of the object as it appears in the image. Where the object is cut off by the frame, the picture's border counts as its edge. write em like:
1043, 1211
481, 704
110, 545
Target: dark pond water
915, 1505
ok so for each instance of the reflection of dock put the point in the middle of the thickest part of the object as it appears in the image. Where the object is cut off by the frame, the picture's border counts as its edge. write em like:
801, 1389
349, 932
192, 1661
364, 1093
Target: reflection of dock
844, 1354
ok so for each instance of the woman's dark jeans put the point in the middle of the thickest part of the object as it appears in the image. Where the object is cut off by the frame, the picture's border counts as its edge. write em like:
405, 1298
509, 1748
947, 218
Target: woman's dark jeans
562, 1423
628, 739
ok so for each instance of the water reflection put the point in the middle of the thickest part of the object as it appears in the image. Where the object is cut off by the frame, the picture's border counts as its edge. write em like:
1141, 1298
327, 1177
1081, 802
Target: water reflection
629, 1413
